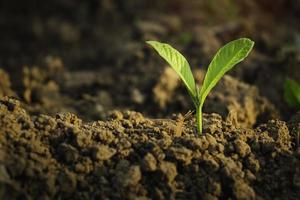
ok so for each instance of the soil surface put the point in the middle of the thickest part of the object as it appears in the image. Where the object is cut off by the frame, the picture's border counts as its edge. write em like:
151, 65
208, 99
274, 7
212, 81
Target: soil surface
88, 111
133, 157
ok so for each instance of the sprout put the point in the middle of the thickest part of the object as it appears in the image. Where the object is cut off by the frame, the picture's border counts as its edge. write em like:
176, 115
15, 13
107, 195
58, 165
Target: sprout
225, 59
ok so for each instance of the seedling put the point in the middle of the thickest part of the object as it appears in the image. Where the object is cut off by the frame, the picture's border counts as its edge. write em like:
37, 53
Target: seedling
292, 93
225, 59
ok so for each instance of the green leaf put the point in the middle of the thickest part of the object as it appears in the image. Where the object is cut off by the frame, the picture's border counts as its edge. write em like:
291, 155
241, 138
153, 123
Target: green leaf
178, 62
292, 93
225, 59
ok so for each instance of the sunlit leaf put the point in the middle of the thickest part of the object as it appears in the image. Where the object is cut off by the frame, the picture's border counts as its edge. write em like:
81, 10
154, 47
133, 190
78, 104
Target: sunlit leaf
225, 59
178, 62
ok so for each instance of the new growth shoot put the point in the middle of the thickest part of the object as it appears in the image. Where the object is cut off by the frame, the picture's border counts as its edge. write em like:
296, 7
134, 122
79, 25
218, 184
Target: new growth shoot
224, 60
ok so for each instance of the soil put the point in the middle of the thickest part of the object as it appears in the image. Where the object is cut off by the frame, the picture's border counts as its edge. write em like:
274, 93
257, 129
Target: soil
87, 111
133, 157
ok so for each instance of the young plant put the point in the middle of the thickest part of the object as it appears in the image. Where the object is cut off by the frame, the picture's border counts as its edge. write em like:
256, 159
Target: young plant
225, 59
292, 93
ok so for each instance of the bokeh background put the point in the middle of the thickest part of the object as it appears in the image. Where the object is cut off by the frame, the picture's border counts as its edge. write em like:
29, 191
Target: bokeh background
90, 57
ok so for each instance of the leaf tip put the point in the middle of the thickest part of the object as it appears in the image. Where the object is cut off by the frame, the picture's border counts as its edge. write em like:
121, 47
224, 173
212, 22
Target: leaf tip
151, 42
248, 41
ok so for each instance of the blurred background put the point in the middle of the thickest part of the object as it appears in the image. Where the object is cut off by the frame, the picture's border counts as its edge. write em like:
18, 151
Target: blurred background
90, 57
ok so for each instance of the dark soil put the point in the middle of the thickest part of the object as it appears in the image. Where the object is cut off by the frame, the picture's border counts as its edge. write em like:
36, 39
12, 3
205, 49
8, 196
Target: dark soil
87, 111
132, 157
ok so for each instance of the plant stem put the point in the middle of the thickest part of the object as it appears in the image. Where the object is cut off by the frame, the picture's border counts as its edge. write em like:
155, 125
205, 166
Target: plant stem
199, 119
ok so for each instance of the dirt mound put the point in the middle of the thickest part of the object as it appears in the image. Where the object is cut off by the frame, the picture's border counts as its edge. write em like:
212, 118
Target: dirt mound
5, 84
132, 157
